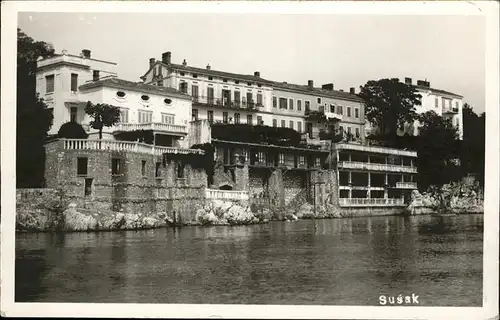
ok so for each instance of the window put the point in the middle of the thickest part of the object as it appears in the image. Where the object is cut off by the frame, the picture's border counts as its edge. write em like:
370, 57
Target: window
210, 78
210, 95
259, 120
339, 110
299, 126
319, 100
224, 117
160, 83
283, 123
281, 158
81, 166
307, 105
341, 128
348, 111
259, 99
49, 84
73, 114
194, 115
291, 124
145, 98
356, 113
195, 75
249, 119
260, 156
275, 102
332, 108
357, 133
237, 81
310, 130
145, 116
194, 91
74, 82
167, 101
283, 102
210, 116
302, 160
120, 94
299, 105
317, 162
237, 98
275, 123
224, 80
143, 168
349, 132
115, 166
88, 187
123, 115
183, 87
250, 98
180, 170
182, 74
457, 105
167, 118
443, 103
157, 169
236, 118
436, 102
290, 104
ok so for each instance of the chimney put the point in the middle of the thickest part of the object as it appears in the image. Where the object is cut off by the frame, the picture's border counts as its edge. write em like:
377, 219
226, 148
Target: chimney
328, 86
166, 57
257, 74
408, 81
352, 90
86, 53
152, 62
184, 63
95, 75
208, 67
310, 84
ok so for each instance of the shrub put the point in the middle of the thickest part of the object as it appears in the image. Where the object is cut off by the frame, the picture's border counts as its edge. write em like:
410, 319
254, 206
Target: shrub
72, 130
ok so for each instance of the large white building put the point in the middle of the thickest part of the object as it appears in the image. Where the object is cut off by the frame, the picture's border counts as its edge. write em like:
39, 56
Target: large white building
68, 82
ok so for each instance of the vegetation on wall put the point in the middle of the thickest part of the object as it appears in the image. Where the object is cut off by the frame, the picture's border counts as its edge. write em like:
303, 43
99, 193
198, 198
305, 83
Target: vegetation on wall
389, 104
103, 115
33, 118
72, 130
196, 161
256, 134
472, 147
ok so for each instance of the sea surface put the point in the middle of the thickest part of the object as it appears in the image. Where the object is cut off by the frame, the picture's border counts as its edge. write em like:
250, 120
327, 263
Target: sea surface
311, 262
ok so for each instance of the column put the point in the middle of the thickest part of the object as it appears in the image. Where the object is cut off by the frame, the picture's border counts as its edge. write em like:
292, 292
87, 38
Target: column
386, 189
368, 194
350, 181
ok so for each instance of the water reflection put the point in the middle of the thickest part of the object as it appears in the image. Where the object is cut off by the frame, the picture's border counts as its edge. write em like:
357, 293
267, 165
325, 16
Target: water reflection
338, 261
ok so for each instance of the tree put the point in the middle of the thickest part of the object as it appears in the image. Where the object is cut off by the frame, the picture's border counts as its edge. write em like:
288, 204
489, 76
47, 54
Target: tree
389, 104
437, 161
33, 117
103, 115
72, 130
472, 148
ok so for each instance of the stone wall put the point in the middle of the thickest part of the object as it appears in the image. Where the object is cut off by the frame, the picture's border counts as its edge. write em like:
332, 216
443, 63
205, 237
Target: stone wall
294, 184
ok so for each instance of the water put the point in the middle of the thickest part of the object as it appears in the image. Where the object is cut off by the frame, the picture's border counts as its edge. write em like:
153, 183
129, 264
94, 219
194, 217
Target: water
322, 262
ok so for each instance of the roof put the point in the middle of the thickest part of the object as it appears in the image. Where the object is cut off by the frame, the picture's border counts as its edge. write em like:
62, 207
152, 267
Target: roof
438, 91
252, 78
317, 91
137, 86
77, 56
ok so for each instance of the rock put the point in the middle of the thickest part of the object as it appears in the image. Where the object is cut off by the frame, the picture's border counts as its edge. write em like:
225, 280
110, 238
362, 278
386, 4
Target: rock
304, 211
77, 221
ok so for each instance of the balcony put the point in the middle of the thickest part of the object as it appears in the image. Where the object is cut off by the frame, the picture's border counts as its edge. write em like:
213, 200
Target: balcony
372, 149
153, 126
450, 111
406, 185
232, 195
226, 103
126, 146
375, 167
371, 202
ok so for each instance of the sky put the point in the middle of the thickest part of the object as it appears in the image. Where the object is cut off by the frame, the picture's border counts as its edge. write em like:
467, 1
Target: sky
347, 50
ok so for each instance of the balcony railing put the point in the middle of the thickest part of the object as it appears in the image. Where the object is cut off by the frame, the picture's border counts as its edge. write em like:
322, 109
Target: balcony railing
450, 110
216, 194
372, 149
154, 126
406, 185
375, 167
128, 146
370, 202
227, 103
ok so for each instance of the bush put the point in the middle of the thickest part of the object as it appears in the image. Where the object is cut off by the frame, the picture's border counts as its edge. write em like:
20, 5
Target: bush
72, 130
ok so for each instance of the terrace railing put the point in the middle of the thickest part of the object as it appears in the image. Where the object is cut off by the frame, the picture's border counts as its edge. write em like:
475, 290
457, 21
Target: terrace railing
368, 202
228, 103
376, 167
128, 146
154, 126
216, 194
